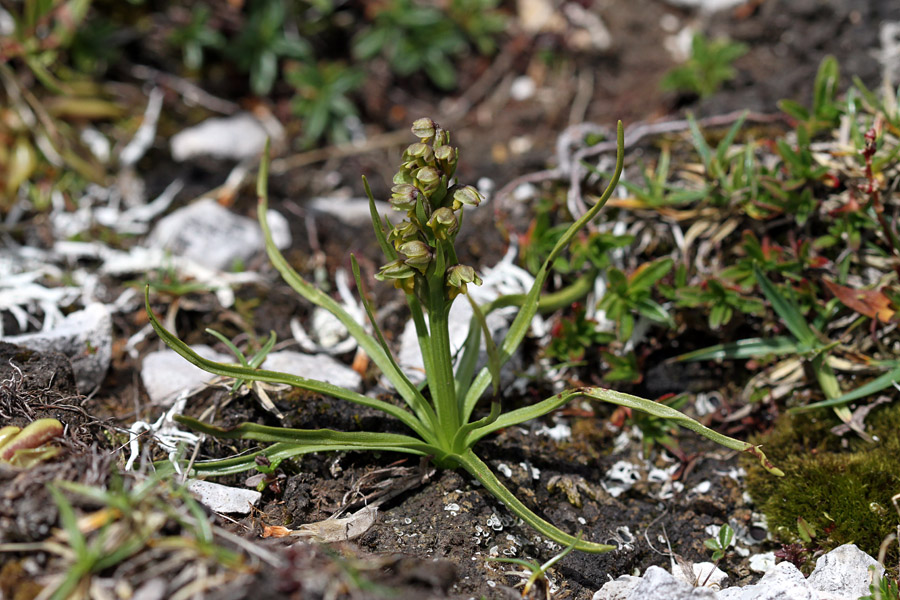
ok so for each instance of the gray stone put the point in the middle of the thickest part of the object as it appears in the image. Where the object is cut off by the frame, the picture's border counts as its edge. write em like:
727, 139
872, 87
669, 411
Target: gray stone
85, 337
617, 589
166, 374
320, 367
659, 584
844, 572
783, 582
211, 235
237, 137
222, 498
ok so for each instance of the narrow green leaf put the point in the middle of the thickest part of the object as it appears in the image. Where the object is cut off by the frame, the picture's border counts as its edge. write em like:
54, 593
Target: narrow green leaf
493, 355
878, 384
249, 374
422, 409
786, 309
748, 348
522, 322
410, 394
478, 469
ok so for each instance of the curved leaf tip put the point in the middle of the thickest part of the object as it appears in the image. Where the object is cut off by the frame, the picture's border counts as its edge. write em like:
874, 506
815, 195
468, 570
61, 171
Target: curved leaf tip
765, 462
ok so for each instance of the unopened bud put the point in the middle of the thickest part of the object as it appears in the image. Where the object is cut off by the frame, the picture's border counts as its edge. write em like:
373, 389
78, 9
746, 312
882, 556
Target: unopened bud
424, 128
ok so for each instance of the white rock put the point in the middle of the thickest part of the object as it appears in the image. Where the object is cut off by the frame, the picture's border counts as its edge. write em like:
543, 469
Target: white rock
617, 589
844, 572
223, 499
659, 584
320, 367
213, 236
706, 574
232, 138
763, 562
166, 374
85, 337
782, 582
522, 88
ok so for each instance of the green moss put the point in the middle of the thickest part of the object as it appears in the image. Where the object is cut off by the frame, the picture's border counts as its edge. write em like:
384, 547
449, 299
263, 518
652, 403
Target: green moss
841, 485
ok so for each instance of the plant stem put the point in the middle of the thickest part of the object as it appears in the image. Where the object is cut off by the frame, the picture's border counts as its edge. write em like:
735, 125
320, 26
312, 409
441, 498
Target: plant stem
441, 382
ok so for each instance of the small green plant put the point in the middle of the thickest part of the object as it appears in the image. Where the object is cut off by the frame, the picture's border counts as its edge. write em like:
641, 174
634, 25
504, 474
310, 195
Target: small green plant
719, 544
538, 571
721, 301
422, 263
263, 42
883, 588
133, 518
572, 335
826, 109
630, 295
321, 99
413, 38
196, 37
709, 66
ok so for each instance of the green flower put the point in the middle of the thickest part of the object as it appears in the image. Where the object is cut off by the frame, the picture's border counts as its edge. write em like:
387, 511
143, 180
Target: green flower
457, 278
397, 269
424, 128
467, 195
403, 196
444, 223
418, 254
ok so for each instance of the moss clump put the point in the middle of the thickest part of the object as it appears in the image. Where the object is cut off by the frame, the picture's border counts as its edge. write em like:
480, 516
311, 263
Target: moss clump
841, 485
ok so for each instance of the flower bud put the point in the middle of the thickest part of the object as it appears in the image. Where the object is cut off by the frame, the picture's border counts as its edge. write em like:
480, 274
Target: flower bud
418, 254
424, 128
457, 278
467, 195
403, 196
443, 222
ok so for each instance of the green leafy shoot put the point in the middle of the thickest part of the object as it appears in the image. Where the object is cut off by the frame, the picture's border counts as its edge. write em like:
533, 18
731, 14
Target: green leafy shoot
709, 66
627, 296
720, 543
422, 263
